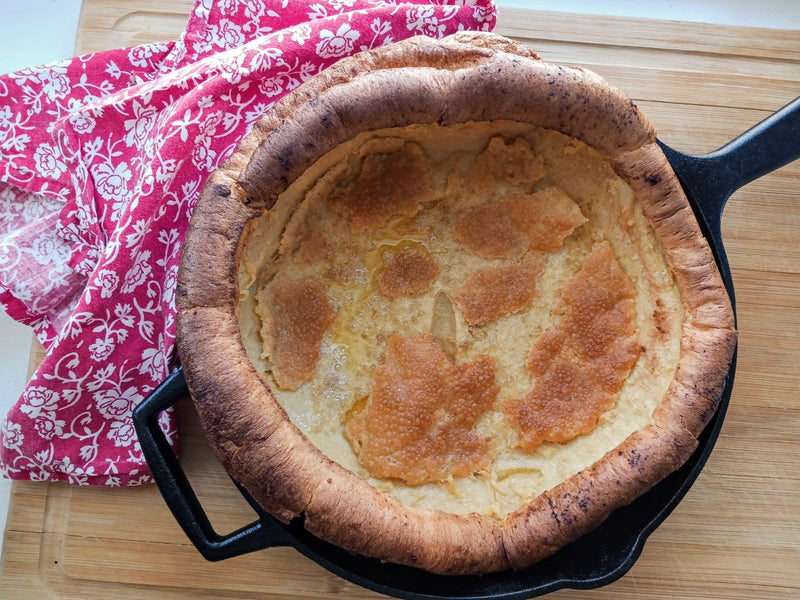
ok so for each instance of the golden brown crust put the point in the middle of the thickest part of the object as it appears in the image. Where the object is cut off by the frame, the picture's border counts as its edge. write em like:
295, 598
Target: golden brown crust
467, 77
449, 82
709, 337
507, 163
572, 509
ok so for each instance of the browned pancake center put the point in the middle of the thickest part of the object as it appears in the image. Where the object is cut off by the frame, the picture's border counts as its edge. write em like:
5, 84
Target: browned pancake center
512, 163
389, 184
580, 364
508, 227
496, 291
418, 423
301, 313
408, 270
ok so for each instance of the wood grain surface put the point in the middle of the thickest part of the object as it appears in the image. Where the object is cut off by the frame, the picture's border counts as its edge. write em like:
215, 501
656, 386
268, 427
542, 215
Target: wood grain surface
736, 535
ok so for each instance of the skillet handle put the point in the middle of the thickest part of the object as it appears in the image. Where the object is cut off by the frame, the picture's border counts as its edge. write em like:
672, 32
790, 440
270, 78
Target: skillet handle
178, 492
710, 179
769, 145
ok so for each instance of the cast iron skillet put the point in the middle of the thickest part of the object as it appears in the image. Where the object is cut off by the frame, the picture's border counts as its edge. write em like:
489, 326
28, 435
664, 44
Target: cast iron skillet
592, 561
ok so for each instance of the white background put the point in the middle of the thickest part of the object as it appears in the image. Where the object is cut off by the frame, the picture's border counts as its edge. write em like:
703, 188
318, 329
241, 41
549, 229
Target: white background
34, 32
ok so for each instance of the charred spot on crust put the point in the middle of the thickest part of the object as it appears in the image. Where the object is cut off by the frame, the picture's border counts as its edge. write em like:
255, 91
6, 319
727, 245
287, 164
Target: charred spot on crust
654, 179
220, 189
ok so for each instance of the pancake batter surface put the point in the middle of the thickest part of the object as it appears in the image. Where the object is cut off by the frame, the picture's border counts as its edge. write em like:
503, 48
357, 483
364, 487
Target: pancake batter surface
462, 316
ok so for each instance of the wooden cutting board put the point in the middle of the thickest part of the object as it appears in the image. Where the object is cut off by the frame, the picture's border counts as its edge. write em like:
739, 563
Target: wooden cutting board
737, 533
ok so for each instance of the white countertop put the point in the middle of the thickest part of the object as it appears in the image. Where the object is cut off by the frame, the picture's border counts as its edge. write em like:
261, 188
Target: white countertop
34, 32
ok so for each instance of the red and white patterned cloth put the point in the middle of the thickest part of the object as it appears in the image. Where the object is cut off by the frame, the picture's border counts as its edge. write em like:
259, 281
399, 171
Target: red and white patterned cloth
102, 158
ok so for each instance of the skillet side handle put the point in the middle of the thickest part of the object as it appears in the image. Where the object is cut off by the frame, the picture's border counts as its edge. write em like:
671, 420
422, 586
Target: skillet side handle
710, 179
769, 145
177, 491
